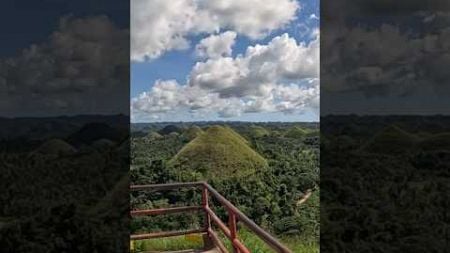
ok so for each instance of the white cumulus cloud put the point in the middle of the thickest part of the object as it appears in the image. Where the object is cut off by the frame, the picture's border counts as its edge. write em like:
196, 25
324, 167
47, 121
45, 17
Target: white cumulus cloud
254, 18
82, 60
259, 68
216, 46
281, 76
158, 26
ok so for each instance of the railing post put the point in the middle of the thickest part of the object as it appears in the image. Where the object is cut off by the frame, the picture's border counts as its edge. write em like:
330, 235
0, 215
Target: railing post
233, 229
207, 224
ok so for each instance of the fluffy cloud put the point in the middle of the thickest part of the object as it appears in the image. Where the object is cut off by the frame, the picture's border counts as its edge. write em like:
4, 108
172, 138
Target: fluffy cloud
254, 18
387, 61
255, 72
281, 76
167, 96
390, 58
158, 26
82, 61
216, 46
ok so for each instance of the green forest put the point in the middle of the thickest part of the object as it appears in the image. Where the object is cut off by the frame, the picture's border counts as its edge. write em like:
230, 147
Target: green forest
64, 184
382, 180
267, 170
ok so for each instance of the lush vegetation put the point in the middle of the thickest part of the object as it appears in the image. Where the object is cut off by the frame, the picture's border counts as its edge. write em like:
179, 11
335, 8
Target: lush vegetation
279, 171
218, 152
168, 244
248, 238
384, 183
65, 190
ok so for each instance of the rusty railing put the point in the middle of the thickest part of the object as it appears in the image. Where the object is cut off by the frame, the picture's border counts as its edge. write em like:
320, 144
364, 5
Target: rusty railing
212, 239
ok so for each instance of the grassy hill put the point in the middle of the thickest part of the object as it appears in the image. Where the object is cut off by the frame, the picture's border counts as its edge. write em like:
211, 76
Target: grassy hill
219, 151
391, 140
296, 132
192, 132
154, 136
258, 131
55, 147
170, 129
96, 131
436, 142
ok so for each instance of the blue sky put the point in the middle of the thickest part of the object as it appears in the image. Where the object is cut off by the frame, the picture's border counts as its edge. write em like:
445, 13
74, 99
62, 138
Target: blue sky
177, 64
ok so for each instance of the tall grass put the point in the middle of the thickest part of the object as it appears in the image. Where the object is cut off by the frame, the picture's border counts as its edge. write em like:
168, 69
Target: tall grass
249, 239
256, 245
165, 244
300, 245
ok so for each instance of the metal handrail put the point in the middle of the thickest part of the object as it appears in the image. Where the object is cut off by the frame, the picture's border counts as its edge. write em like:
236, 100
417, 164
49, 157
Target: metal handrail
168, 186
230, 231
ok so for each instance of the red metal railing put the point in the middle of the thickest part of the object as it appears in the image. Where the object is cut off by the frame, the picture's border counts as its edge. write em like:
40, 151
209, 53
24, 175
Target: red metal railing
230, 231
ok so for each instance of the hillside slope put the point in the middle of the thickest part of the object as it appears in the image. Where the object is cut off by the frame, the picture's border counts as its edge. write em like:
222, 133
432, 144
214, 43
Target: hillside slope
297, 132
192, 132
219, 151
391, 140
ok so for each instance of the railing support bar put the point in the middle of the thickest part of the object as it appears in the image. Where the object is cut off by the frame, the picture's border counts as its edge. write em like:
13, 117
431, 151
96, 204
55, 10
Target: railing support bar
207, 223
233, 229
217, 241
165, 234
165, 210
211, 238
219, 223
266, 237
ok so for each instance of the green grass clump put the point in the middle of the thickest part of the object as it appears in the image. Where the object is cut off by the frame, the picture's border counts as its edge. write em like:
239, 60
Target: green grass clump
299, 245
249, 239
165, 244
219, 151
256, 245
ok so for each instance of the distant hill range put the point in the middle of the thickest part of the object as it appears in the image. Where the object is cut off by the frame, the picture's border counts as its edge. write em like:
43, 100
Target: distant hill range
156, 126
92, 132
56, 127
192, 132
298, 132
393, 140
170, 129
258, 131
218, 151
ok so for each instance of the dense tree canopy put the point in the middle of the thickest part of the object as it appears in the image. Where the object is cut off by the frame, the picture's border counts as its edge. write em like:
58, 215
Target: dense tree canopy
269, 195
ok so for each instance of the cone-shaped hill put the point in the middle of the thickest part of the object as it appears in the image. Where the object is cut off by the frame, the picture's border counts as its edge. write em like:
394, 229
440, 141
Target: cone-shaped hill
436, 142
96, 131
258, 132
170, 129
234, 133
391, 140
55, 147
219, 151
296, 132
192, 132
153, 136
103, 144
